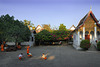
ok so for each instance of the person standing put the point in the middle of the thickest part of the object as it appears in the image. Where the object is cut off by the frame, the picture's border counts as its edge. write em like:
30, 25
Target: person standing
2, 47
28, 49
28, 54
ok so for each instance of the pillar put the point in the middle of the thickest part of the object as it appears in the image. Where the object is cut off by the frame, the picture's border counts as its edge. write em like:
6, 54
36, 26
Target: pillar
78, 38
95, 32
83, 33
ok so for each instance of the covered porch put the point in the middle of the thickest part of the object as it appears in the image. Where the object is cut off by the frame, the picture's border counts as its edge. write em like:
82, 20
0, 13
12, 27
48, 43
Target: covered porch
93, 35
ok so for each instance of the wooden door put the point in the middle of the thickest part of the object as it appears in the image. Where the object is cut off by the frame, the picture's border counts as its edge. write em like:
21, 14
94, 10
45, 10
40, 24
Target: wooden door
87, 37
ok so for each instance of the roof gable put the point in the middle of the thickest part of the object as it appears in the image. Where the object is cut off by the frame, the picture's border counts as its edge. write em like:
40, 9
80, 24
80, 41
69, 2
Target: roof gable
82, 21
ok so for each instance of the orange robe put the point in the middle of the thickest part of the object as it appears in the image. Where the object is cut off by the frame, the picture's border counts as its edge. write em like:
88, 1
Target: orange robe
20, 58
27, 50
29, 55
2, 47
45, 58
28, 47
18, 46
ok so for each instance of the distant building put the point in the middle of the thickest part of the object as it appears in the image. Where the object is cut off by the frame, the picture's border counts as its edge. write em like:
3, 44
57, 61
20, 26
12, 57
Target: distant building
72, 28
38, 29
88, 28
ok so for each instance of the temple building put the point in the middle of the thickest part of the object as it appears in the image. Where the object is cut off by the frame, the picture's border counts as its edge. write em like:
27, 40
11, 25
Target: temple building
88, 28
38, 29
72, 28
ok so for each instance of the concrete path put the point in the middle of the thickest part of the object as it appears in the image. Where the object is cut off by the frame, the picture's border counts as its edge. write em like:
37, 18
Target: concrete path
92, 48
58, 56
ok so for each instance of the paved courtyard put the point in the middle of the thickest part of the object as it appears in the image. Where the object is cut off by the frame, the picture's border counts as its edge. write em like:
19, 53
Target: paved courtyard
58, 56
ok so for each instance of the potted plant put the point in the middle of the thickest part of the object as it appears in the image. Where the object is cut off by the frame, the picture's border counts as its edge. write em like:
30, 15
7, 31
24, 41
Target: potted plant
98, 45
85, 44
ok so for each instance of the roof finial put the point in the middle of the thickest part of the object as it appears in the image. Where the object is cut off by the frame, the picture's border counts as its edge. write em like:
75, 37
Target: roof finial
90, 8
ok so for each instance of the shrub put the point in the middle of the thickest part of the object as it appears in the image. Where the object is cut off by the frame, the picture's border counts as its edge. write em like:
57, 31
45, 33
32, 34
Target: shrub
54, 36
61, 34
57, 35
98, 45
85, 44
44, 35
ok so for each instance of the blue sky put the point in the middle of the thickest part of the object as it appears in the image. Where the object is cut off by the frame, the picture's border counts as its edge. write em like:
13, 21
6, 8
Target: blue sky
53, 12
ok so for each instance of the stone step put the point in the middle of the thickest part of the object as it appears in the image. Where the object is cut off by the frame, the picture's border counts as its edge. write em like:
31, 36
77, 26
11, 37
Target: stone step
92, 48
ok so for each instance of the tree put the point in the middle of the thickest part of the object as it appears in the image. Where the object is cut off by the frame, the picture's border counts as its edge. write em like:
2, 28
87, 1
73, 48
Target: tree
46, 27
33, 27
56, 35
13, 30
62, 27
44, 35
26, 22
55, 28
5, 24
29, 24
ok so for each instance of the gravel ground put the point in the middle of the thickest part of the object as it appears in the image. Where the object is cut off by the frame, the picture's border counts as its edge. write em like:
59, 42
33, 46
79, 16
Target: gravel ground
58, 56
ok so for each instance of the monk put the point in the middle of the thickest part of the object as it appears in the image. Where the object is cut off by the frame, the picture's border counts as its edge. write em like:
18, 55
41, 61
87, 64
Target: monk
28, 49
29, 55
19, 47
2, 47
43, 56
20, 56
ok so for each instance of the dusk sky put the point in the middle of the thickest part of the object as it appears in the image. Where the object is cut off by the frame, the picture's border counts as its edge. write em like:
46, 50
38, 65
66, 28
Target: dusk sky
53, 12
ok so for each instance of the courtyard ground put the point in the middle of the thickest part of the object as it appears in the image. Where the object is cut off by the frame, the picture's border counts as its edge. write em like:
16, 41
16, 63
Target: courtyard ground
58, 56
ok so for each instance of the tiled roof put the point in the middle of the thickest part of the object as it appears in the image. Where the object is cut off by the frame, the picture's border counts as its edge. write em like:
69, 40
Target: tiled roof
84, 18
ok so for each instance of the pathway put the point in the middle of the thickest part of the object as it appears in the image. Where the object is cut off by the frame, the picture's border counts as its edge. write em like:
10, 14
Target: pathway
92, 48
58, 56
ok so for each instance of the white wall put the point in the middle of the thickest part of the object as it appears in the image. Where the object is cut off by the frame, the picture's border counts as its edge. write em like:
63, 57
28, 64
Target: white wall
30, 42
75, 41
24, 43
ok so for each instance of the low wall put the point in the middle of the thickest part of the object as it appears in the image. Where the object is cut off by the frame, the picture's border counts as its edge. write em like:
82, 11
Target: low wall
10, 43
30, 43
22, 43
